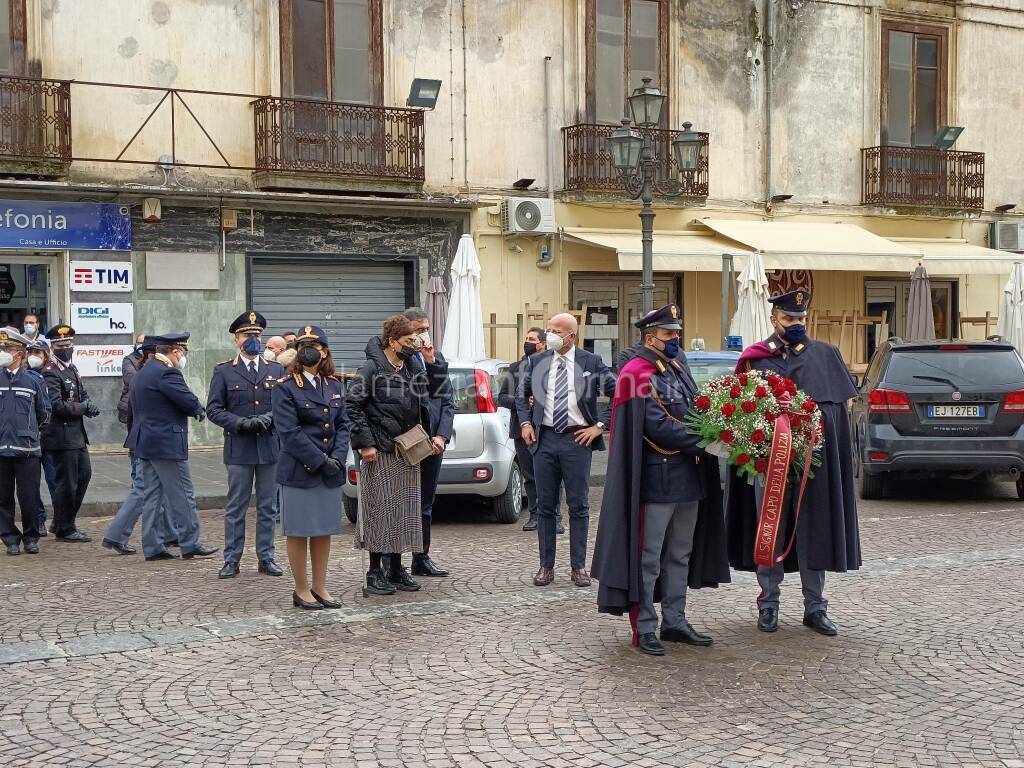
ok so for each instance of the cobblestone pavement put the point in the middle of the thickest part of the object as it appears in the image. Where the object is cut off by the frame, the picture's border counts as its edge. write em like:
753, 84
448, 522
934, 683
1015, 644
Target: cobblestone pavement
108, 660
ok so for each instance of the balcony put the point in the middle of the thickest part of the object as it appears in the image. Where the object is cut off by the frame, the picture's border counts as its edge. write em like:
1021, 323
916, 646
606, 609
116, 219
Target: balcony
588, 163
35, 126
323, 145
924, 177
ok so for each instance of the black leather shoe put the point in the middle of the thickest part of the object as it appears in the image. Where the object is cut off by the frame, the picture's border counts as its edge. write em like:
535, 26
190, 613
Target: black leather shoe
270, 568
424, 566
228, 571
377, 583
31, 547
649, 644
561, 528
531, 524
199, 551
75, 537
42, 531
163, 554
768, 619
820, 623
121, 549
685, 634
324, 603
399, 578
172, 543
298, 602
13, 549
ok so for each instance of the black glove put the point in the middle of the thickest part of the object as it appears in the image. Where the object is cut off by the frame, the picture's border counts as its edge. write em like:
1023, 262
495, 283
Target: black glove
267, 419
260, 424
331, 468
91, 411
245, 424
201, 416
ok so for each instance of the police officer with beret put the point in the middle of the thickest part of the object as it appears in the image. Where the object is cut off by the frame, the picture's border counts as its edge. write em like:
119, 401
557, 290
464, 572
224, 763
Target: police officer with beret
24, 409
240, 401
65, 438
161, 404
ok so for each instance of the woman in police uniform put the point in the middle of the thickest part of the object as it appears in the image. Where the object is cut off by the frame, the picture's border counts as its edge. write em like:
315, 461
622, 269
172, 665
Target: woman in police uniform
310, 420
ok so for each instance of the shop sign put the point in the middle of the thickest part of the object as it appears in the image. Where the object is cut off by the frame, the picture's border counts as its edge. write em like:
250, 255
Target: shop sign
7, 285
53, 225
101, 276
103, 318
100, 359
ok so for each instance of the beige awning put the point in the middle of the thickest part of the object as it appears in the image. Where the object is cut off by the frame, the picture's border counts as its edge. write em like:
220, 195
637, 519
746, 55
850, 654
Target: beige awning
817, 245
958, 257
673, 251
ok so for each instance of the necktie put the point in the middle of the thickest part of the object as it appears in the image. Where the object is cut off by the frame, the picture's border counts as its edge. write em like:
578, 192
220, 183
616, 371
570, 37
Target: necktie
561, 414
252, 367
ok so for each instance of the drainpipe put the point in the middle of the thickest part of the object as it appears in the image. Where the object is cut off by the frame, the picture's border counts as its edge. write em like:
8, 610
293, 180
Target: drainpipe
465, 106
548, 258
768, 42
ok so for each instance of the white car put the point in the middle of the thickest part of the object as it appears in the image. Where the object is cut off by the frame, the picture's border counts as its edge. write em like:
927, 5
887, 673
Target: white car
481, 456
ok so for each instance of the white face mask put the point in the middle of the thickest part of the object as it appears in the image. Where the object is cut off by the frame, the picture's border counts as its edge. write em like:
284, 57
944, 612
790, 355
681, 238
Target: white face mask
554, 341
182, 362
269, 355
6, 358
423, 339
30, 329
35, 361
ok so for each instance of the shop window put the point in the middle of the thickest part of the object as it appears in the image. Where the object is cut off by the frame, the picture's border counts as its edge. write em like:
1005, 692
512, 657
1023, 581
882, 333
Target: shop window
913, 83
625, 43
893, 297
12, 37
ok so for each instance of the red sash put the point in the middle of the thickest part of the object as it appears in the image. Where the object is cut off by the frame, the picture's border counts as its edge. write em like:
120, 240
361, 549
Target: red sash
770, 515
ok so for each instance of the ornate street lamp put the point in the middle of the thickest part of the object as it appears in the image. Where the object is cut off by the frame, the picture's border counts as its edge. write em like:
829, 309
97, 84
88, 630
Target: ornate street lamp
633, 157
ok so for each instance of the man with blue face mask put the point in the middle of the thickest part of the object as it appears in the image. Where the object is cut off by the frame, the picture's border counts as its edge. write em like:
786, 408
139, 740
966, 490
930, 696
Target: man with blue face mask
240, 402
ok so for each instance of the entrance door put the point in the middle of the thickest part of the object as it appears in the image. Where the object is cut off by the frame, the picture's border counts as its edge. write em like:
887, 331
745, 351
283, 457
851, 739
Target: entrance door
30, 284
893, 296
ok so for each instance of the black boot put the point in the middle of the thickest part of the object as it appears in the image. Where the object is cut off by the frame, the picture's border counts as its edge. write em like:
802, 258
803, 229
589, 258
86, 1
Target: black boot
422, 565
377, 583
399, 577
531, 524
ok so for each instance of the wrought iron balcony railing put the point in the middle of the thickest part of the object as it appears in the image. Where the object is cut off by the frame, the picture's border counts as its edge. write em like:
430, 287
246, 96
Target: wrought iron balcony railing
588, 161
924, 176
35, 120
297, 135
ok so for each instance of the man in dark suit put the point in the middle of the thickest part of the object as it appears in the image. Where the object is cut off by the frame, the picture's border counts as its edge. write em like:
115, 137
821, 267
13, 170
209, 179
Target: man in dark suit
563, 428
240, 402
161, 404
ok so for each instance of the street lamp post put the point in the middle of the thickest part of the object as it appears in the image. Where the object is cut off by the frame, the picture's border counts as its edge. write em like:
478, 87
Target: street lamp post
633, 156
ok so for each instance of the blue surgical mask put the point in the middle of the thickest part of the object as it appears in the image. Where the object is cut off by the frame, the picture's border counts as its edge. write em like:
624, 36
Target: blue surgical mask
251, 346
795, 333
672, 348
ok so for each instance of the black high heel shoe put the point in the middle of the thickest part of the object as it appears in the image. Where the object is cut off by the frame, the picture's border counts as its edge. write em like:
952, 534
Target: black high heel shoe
298, 602
325, 603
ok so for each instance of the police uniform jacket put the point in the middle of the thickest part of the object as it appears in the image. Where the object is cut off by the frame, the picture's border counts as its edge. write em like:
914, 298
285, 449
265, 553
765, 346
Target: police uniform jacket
161, 404
671, 472
66, 429
236, 394
24, 409
312, 425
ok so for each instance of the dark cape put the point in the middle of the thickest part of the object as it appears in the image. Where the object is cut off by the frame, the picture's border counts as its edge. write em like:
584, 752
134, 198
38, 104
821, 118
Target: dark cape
619, 542
828, 517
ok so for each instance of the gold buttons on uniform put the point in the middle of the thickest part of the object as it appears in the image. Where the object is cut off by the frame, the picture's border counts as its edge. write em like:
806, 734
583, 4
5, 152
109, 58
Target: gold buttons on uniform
325, 439
326, 410
327, 426
257, 402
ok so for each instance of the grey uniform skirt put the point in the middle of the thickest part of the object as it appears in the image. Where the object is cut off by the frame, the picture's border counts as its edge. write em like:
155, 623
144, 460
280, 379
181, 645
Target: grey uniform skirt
390, 505
312, 511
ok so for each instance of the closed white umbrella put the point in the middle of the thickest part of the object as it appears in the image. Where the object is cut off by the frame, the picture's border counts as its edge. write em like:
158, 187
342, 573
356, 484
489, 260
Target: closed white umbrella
753, 318
436, 307
464, 329
1011, 315
920, 316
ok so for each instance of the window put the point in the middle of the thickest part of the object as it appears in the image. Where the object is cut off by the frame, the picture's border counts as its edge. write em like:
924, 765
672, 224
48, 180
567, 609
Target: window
331, 50
913, 83
12, 37
625, 43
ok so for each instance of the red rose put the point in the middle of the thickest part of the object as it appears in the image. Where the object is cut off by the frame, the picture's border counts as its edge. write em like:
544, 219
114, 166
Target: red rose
773, 380
735, 392
758, 436
769, 416
809, 406
795, 419
742, 459
725, 436
727, 381
744, 379
791, 388
779, 391
748, 406
728, 410
760, 392
761, 465
703, 403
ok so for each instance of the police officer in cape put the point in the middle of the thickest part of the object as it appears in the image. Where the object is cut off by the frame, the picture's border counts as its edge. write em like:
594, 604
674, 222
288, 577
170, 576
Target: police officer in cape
24, 409
827, 535
64, 437
240, 401
661, 527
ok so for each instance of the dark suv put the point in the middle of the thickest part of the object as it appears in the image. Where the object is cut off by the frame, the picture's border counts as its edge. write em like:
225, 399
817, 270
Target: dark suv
939, 408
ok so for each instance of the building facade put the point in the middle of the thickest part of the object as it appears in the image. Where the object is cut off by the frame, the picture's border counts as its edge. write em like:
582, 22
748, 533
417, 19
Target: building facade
264, 154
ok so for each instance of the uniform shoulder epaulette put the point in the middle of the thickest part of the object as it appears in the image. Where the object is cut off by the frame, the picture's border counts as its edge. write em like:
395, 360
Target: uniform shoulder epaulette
660, 366
298, 380
283, 379
223, 362
772, 345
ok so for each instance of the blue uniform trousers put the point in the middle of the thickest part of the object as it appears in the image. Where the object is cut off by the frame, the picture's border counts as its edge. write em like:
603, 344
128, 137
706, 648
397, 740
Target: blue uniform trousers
128, 514
170, 482
241, 478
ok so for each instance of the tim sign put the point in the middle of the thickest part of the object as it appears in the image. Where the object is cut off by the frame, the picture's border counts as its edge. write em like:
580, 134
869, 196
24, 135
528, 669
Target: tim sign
100, 359
105, 276
103, 318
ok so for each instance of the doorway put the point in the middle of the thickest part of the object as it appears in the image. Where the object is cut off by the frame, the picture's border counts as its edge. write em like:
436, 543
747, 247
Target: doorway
31, 284
893, 296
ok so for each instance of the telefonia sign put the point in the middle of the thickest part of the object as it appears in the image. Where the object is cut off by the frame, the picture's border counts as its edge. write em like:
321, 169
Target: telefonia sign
52, 225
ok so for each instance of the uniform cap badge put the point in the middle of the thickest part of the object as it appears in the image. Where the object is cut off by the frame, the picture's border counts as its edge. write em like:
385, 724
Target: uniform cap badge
252, 317
799, 298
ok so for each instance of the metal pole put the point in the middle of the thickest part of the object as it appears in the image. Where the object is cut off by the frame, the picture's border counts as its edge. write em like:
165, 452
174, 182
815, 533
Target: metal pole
647, 226
726, 293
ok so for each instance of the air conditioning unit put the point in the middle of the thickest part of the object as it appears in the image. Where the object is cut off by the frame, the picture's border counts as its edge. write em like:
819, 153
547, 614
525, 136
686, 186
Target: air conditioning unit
1006, 236
528, 216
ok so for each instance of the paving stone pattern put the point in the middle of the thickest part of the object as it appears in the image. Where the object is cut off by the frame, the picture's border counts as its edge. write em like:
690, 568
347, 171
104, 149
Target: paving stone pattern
110, 661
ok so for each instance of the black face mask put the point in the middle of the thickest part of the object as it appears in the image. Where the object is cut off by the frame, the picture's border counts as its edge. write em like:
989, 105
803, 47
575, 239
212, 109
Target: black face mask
309, 356
64, 354
406, 352
530, 348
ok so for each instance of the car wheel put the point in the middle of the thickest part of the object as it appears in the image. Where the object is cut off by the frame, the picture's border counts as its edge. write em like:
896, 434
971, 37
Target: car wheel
351, 508
871, 486
508, 506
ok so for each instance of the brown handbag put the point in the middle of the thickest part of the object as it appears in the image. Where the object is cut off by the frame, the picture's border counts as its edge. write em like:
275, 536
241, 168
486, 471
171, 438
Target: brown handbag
415, 445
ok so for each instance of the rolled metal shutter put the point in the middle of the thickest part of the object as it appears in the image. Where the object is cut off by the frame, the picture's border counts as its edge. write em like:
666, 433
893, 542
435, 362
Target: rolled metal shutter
349, 300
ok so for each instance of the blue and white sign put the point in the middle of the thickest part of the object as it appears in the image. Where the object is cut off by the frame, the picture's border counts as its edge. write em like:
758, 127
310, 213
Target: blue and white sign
102, 318
101, 276
79, 226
